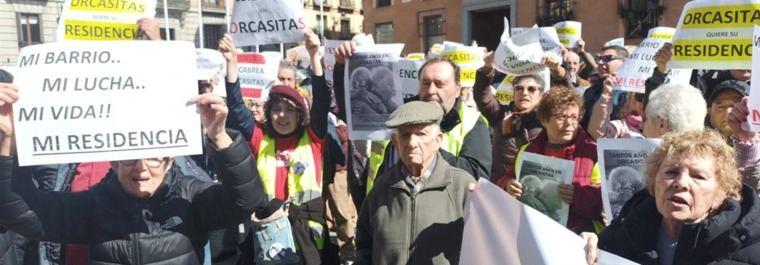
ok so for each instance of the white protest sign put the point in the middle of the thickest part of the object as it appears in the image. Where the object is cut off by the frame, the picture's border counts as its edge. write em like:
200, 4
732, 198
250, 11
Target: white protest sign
569, 32
633, 74
95, 101
550, 41
409, 75
540, 176
267, 22
615, 42
102, 20
753, 121
468, 58
373, 90
363, 39
715, 34
257, 72
212, 67
515, 31
622, 163
505, 91
329, 58
680, 76
519, 55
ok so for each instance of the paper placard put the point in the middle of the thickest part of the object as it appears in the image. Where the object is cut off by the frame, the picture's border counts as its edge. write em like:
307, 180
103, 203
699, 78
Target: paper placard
569, 32
622, 163
518, 55
409, 71
95, 101
638, 67
212, 67
329, 58
257, 72
267, 22
102, 20
540, 176
468, 58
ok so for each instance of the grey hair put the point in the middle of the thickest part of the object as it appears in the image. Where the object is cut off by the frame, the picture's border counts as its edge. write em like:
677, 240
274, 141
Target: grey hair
682, 106
288, 65
539, 80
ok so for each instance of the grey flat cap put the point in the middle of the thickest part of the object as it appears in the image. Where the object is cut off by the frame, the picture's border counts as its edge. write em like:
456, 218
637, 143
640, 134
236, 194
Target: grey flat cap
415, 112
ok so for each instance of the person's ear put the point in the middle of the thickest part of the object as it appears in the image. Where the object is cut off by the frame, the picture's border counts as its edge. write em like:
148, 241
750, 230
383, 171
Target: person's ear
394, 140
662, 126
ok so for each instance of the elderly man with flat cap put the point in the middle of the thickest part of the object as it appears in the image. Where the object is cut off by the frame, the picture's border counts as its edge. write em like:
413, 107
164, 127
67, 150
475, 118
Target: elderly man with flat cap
414, 214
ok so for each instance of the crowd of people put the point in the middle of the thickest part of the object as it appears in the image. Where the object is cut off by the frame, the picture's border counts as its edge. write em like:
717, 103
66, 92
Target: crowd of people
281, 183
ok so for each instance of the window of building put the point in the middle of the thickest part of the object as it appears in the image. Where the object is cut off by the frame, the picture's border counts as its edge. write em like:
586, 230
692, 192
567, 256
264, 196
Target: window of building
384, 32
211, 3
382, 3
640, 16
554, 11
345, 29
320, 25
212, 34
171, 34
346, 4
433, 30
28, 29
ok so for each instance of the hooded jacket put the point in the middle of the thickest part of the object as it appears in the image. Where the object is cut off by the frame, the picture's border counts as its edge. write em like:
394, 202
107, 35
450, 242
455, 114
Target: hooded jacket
731, 236
170, 227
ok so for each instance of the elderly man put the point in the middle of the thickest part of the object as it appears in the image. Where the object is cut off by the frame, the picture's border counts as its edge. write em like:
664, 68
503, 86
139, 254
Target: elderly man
414, 215
466, 138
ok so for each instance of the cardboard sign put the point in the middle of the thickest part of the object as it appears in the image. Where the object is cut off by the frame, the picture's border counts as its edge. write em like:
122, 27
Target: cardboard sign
103, 20
257, 72
95, 101
518, 55
715, 34
569, 32
633, 74
267, 22
468, 58
212, 67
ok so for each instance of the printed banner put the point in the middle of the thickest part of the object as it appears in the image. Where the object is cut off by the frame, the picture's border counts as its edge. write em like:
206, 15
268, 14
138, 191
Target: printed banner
540, 176
95, 101
715, 34
409, 77
518, 55
373, 91
468, 58
522, 236
212, 67
267, 22
505, 91
569, 32
753, 121
622, 163
633, 74
102, 19
257, 72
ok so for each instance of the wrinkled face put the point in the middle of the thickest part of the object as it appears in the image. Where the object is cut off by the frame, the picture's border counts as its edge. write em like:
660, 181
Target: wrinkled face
562, 126
686, 190
573, 62
719, 109
608, 62
527, 94
741, 75
141, 178
438, 84
257, 108
361, 79
287, 77
417, 144
285, 116
382, 78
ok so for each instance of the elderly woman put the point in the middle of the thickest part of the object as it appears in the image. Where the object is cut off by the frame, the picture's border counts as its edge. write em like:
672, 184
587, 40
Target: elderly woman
559, 112
694, 209
674, 108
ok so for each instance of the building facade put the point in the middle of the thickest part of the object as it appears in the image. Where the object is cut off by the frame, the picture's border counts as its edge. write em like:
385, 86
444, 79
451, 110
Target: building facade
27, 22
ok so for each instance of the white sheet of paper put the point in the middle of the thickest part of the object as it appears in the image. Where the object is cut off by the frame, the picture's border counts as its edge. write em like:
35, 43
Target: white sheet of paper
519, 55
622, 163
267, 22
257, 72
569, 32
212, 66
540, 175
633, 74
409, 75
117, 104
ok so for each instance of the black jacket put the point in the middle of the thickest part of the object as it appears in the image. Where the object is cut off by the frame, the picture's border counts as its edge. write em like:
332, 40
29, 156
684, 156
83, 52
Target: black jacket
171, 227
731, 236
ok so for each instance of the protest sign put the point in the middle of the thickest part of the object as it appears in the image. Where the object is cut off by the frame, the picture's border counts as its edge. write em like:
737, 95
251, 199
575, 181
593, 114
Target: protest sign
753, 121
102, 20
95, 101
615, 42
329, 58
257, 72
569, 33
505, 92
715, 34
267, 22
409, 77
518, 55
540, 176
633, 74
680, 76
416, 56
373, 91
547, 36
522, 236
468, 58
363, 39
212, 67
436, 49
622, 163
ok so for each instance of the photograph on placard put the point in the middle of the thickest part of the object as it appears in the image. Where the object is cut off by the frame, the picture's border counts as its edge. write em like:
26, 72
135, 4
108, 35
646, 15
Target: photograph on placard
540, 177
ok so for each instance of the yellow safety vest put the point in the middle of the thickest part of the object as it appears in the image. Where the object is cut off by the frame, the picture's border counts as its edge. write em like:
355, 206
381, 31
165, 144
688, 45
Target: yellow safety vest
452, 140
302, 177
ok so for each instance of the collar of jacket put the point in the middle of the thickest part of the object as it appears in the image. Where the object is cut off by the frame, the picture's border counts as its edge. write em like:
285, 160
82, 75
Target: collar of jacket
452, 119
166, 188
439, 178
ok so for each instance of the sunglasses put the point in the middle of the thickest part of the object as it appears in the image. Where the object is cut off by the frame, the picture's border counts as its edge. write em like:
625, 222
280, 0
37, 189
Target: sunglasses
530, 89
607, 58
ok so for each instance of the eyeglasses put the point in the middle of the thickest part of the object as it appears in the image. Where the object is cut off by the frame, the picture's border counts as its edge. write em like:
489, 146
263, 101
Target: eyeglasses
530, 89
150, 162
607, 58
562, 118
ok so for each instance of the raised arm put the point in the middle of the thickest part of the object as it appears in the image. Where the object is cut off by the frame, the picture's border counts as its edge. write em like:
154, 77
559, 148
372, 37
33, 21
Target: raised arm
488, 106
342, 52
320, 91
240, 117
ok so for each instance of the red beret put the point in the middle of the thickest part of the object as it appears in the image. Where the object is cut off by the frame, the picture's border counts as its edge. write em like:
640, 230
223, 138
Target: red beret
290, 93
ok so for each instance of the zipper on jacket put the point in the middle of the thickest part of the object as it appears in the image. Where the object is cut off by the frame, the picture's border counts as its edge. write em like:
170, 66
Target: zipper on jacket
136, 246
412, 224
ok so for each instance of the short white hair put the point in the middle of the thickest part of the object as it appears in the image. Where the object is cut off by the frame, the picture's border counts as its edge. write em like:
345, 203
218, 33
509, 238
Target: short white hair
681, 105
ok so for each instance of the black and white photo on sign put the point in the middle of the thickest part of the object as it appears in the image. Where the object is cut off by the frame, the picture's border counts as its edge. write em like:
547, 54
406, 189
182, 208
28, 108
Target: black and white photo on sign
622, 163
540, 176
373, 91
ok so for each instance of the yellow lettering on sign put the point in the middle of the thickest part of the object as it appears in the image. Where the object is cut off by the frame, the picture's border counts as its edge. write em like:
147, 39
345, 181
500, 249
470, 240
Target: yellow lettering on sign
661, 35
